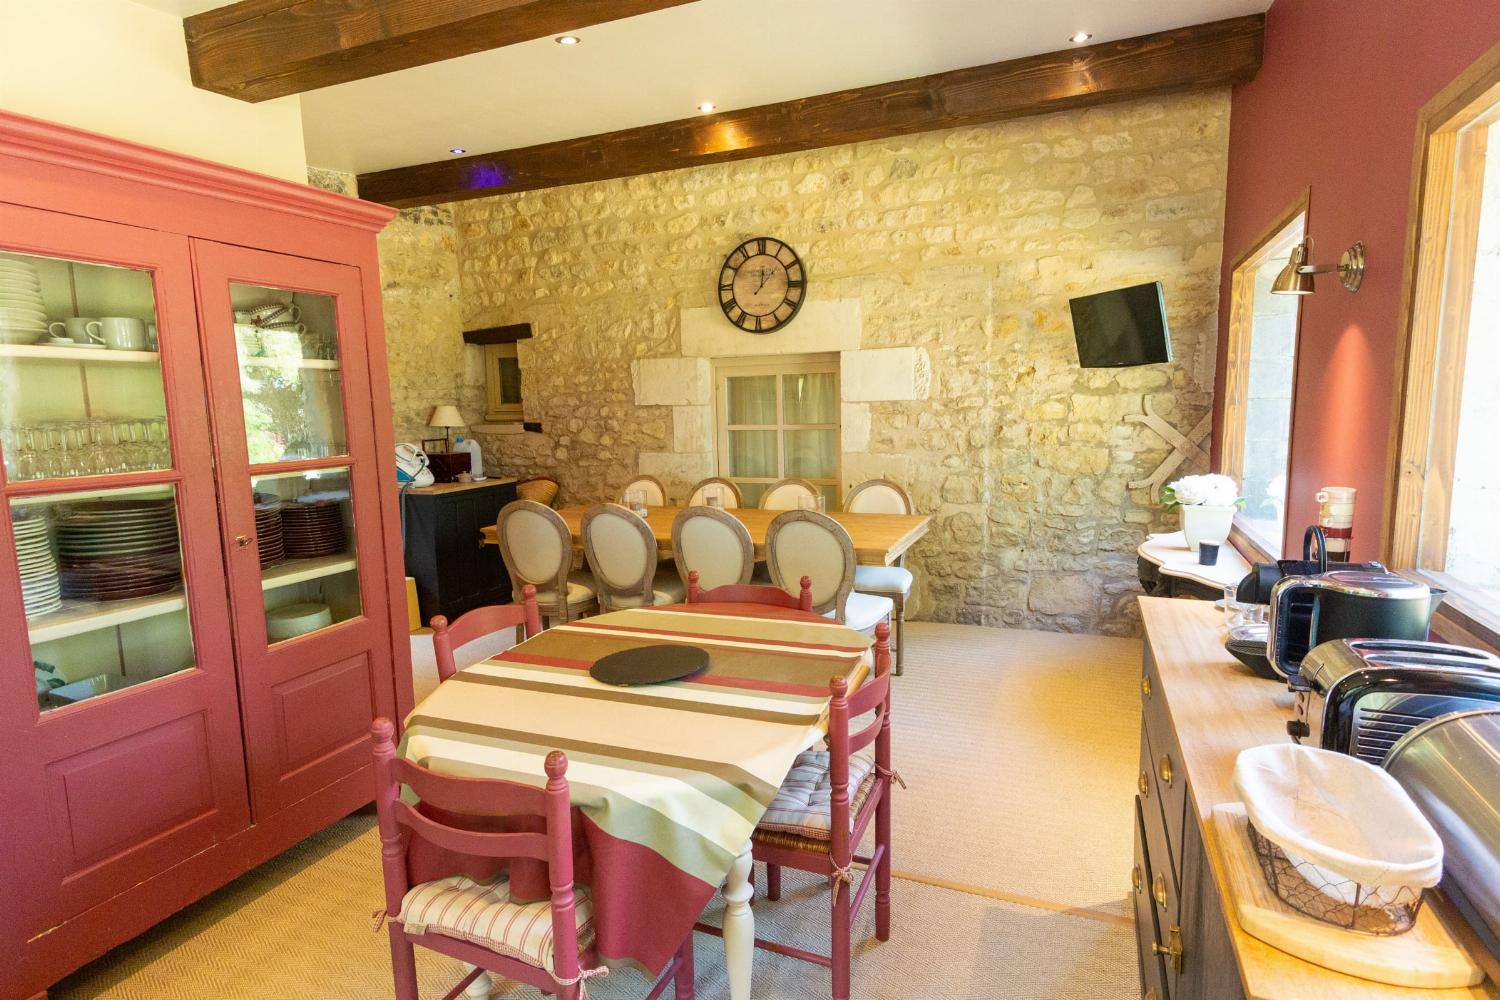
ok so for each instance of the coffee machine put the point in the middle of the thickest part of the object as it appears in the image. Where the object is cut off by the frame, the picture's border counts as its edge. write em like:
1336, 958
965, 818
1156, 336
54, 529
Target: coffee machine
1344, 604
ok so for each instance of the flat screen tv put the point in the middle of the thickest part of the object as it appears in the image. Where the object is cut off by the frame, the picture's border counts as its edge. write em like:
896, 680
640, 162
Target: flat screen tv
1125, 327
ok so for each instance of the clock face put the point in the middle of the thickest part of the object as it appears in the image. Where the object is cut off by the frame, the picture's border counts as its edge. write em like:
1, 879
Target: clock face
761, 285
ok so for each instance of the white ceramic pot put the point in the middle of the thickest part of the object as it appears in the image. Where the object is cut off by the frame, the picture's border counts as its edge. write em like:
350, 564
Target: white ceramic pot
1203, 523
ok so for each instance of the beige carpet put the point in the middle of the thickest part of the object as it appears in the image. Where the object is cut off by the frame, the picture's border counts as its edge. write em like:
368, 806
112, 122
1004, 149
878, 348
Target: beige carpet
1014, 840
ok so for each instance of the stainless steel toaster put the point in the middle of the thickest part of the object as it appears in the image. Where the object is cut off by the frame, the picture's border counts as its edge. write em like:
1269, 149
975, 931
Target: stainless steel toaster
1359, 696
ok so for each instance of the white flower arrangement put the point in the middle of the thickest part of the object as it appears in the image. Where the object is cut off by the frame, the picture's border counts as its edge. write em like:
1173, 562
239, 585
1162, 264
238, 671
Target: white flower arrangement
1206, 491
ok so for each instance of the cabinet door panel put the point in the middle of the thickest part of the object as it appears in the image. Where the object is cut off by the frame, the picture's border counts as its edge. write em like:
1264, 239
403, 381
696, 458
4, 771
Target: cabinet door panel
127, 757
295, 431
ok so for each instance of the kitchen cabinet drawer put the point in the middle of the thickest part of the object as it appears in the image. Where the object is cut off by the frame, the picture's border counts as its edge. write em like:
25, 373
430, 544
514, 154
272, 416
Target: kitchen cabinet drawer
1163, 766
1153, 971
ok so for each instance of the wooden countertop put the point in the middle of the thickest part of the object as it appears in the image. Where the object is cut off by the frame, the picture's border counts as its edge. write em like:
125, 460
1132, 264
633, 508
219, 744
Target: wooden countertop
439, 489
1218, 708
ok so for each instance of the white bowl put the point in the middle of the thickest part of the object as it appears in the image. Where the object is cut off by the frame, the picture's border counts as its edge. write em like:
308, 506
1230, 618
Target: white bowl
293, 620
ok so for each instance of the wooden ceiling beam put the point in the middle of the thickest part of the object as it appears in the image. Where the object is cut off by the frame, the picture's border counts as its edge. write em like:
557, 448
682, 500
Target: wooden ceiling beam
259, 49
1204, 55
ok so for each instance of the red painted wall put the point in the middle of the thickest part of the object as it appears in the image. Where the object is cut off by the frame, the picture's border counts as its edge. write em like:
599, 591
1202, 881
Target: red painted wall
1334, 109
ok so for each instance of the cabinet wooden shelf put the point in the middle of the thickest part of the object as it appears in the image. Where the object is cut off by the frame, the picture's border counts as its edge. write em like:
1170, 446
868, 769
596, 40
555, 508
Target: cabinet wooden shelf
76, 355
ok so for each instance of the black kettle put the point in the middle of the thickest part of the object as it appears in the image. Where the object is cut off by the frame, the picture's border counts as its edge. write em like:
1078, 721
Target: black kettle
1344, 604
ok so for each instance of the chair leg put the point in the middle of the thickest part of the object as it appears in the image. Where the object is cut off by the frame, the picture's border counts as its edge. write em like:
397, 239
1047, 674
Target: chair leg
683, 983
841, 944
883, 870
403, 964
900, 636
773, 882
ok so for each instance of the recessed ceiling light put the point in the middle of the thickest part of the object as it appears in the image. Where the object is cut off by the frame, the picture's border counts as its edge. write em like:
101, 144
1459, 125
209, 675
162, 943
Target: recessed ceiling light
706, 106
1080, 37
567, 39
458, 151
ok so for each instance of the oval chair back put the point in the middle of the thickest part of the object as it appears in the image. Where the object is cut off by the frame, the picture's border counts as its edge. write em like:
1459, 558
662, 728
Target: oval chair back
878, 496
749, 593
656, 493
804, 543
783, 495
537, 548
525, 617
728, 492
713, 543
621, 551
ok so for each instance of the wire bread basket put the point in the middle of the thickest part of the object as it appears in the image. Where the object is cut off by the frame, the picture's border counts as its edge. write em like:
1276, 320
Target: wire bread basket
1369, 909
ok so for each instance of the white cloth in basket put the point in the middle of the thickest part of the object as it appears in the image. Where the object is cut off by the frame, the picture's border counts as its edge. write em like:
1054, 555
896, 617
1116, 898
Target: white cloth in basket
1351, 822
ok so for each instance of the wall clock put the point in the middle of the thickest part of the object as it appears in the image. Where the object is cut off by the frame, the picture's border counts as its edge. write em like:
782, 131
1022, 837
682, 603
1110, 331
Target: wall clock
762, 285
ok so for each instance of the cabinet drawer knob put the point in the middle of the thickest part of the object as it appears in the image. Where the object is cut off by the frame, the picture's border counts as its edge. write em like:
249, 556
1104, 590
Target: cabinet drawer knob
1135, 879
1143, 785
1164, 769
1146, 686
1159, 891
1172, 950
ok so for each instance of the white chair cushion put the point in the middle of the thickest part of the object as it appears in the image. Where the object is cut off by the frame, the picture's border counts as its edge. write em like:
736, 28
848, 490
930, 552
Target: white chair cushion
667, 589
863, 612
580, 590
483, 914
803, 805
883, 580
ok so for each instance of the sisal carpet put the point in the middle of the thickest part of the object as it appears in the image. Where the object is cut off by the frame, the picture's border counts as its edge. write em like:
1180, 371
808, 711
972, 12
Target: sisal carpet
1013, 845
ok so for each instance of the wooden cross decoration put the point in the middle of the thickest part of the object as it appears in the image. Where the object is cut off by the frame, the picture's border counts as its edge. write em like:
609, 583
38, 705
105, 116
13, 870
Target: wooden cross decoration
1184, 447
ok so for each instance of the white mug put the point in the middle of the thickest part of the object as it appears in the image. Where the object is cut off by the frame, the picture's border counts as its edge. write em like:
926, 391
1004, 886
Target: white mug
151, 338
79, 329
124, 333
1336, 494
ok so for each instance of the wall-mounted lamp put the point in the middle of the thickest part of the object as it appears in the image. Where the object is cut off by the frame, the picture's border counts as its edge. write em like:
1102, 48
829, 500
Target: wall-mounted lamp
1297, 277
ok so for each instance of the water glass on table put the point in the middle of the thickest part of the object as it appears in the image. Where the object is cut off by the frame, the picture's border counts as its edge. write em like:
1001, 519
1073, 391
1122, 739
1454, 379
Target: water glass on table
636, 501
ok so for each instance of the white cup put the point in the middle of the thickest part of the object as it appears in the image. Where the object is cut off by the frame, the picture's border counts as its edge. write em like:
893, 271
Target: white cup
1336, 494
124, 333
79, 329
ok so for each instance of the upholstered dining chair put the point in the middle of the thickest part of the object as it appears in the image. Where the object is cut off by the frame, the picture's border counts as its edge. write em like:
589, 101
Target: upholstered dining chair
537, 548
525, 618
713, 543
784, 494
824, 808
547, 943
749, 593
728, 492
621, 551
656, 493
805, 543
882, 496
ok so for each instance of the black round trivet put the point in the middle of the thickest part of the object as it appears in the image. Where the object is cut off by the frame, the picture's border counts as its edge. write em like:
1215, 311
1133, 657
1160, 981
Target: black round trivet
649, 665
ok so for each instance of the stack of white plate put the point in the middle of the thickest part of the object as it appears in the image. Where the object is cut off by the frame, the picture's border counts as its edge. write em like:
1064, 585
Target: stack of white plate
40, 591
22, 318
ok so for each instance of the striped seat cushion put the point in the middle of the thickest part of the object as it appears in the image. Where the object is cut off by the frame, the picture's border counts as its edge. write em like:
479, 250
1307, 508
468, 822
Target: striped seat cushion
482, 913
803, 805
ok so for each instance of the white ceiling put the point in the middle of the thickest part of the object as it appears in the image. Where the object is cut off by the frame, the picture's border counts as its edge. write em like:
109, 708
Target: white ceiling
659, 67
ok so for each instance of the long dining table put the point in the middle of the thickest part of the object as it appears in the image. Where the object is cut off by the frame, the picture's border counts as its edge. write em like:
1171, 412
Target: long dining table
879, 539
668, 780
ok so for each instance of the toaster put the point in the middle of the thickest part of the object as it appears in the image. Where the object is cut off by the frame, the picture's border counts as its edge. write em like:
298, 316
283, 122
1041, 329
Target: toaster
1359, 696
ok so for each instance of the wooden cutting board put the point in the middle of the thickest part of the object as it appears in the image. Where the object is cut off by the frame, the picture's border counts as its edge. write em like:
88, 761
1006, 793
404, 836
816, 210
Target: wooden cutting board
1425, 957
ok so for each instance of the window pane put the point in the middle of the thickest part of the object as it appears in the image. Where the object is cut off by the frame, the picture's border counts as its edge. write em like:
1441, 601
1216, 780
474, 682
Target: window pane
752, 399
809, 398
812, 454
752, 454
1268, 406
510, 381
304, 527
750, 493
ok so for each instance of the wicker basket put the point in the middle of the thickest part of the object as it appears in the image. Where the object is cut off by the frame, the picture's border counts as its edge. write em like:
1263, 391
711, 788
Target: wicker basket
1375, 910
539, 488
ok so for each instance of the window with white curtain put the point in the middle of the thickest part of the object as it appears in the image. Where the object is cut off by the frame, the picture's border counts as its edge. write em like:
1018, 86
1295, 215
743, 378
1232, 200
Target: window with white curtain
779, 417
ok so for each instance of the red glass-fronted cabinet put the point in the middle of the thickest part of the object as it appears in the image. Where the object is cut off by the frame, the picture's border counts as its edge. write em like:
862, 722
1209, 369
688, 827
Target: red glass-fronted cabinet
198, 562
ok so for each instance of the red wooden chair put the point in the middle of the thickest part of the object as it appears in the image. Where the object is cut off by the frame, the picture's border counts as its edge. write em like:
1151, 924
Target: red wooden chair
482, 622
824, 808
547, 943
749, 593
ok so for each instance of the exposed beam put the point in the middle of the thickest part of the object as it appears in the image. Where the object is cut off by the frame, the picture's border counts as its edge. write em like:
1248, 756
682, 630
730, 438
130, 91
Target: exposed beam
259, 49
1205, 55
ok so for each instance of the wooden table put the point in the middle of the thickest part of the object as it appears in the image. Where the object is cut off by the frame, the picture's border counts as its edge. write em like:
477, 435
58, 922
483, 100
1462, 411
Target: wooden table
879, 539
670, 779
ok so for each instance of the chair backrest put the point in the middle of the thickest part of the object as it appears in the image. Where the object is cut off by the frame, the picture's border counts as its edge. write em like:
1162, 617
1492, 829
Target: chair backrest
728, 491
538, 826
622, 555
784, 494
749, 593
715, 544
805, 543
656, 493
536, 545
874, 695
878, 496
481, 622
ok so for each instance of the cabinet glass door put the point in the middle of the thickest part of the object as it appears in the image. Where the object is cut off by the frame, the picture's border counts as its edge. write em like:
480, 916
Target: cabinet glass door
300, 504
110, 562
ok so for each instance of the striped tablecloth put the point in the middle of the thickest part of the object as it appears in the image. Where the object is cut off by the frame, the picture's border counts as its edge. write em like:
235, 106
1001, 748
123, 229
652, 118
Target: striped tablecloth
668, 781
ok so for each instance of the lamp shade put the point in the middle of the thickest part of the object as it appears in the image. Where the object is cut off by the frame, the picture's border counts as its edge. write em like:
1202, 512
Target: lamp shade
445, 416
1296, 278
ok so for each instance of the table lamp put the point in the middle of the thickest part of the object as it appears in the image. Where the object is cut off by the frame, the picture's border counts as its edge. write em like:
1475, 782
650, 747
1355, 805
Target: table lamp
447, 417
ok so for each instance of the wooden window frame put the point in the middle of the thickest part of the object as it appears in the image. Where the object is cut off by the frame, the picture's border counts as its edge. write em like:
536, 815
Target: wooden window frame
496, 410
1272, 242
778, 365
1442, 221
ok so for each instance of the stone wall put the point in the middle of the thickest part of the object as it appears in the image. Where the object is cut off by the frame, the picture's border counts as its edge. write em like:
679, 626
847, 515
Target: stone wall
961, 246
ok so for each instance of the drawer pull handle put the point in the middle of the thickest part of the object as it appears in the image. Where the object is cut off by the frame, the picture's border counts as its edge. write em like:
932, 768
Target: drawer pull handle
1135, 879
1159, 891
1172, 951
1164, 769
1143, 785
1146, 686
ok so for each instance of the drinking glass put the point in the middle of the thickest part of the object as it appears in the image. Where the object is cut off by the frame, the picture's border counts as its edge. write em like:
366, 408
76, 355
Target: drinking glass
1231, 604
714, 496
636, 501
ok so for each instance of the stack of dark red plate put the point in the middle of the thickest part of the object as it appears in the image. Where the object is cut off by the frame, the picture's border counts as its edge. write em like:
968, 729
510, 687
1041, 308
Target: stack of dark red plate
312, 529
268, 529
113, 550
